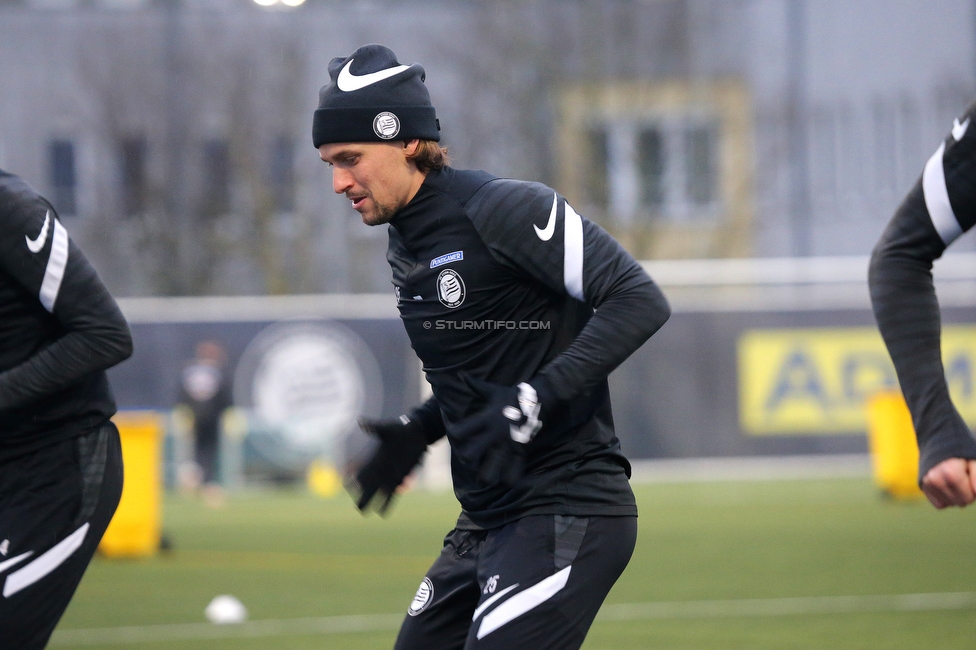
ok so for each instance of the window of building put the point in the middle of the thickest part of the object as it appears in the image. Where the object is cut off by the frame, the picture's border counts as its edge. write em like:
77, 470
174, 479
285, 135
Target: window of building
657, 170
61, 156
701, 166
651, 157
283, 174
664, 166
216, 175
133, 181
595, 183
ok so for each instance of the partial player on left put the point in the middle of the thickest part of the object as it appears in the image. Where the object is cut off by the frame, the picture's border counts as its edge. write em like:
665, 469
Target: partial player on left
60, 457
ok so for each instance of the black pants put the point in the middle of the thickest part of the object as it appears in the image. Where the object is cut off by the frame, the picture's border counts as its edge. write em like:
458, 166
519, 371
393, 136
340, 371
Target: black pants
535, 583
55, 504
206, 447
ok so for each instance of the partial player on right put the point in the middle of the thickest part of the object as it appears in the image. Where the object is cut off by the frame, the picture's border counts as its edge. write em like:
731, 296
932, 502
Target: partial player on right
940, 207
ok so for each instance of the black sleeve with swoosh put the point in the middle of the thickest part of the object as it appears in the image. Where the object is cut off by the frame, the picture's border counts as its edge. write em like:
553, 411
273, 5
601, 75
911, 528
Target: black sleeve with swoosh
940, 207
535, 232
59, 326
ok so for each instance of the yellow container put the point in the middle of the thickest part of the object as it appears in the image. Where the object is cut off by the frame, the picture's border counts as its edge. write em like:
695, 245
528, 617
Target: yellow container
136, 528
323, 480
894, 449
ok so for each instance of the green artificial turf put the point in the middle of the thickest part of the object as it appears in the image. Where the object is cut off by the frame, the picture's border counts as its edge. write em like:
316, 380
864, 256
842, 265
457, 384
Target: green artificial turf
303, 561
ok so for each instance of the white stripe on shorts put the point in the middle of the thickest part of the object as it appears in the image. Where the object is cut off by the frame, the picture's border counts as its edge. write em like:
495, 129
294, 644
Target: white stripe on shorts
45, 563
523, 601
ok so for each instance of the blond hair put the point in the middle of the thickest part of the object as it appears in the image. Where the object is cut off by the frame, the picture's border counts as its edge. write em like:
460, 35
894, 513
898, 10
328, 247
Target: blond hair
429, 156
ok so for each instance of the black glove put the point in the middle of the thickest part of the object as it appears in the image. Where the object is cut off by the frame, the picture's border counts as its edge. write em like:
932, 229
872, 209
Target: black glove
494, 438
402, 446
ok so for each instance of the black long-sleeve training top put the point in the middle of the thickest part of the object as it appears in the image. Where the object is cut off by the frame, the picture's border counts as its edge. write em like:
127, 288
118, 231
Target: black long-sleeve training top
939, 208
502, 279
59, 328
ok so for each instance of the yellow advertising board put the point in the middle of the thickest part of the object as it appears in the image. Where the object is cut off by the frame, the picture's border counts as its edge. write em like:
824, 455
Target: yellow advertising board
817, 381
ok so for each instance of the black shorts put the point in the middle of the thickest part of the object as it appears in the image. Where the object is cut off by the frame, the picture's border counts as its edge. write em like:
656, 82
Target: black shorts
55, 504
537, 583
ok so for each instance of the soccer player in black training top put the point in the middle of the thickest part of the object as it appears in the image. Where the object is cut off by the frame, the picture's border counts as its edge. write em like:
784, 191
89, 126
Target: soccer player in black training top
60, 459
940, 207
519, 309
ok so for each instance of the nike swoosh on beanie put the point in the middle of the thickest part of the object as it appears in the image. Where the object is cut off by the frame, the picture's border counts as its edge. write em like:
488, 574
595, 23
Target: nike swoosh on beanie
372, 97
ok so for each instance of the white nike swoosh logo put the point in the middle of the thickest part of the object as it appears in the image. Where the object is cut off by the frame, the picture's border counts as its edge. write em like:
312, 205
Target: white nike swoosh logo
545, 234
14, 560
35, 245
348, 82
959, 130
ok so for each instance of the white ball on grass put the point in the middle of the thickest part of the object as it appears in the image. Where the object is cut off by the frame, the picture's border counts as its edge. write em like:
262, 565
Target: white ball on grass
225, 609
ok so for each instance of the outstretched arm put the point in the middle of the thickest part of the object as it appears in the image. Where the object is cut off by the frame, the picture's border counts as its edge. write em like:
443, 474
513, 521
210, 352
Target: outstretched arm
940, 207
575, 258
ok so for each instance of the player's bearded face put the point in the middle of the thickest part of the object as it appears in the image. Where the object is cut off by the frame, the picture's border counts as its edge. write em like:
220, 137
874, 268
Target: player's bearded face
376, 177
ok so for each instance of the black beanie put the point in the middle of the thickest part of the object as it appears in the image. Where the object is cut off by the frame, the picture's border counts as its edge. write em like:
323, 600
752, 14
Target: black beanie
373, 98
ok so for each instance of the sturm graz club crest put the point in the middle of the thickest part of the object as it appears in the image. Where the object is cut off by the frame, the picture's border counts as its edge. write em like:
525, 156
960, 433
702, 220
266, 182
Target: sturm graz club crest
386, 125
425, 593
450, 288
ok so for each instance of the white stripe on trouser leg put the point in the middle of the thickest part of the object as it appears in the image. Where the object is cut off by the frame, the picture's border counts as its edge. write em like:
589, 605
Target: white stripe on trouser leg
573, 253
44, 564
937, 198
523, 601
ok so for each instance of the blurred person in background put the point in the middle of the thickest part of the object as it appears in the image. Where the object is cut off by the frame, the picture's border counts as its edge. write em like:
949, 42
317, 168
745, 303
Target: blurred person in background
519, 309
205, 394
940, 207
60, 456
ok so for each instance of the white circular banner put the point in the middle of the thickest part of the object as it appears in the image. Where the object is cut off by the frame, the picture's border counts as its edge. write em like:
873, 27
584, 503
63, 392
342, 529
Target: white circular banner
306, 385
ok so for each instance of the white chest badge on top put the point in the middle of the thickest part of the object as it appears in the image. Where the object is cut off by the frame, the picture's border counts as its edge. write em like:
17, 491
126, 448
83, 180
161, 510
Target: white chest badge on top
450, 288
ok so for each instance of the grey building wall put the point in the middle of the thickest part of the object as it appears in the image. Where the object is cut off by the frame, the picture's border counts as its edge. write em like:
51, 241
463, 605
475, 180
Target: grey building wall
848, 100
879, 83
